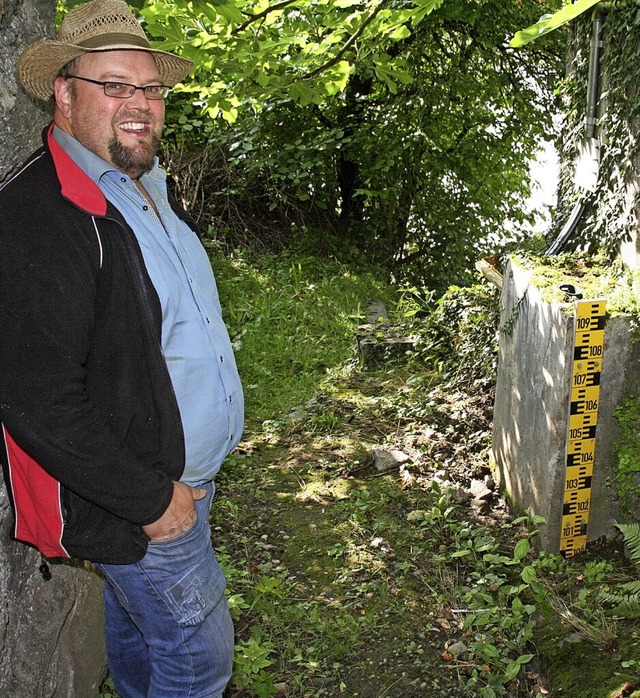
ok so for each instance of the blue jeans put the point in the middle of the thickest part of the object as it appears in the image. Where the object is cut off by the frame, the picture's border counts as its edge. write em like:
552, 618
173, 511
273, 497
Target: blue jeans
168, 629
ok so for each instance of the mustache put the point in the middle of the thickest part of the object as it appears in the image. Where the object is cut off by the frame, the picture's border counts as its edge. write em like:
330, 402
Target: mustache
135, 116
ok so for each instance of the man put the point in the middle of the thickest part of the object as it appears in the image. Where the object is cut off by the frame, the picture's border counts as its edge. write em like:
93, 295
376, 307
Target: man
119, 395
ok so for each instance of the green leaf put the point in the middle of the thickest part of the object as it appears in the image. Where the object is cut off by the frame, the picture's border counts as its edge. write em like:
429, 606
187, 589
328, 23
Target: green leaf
301, 93
424, 8
512, 670
207, 9
631, 533
522, 548
400, 33
230, 12
487, 692
337, 78
525, 658
547, 23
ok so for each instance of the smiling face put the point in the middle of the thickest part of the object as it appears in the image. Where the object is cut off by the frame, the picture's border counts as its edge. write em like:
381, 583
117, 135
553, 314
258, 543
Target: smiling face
124, 132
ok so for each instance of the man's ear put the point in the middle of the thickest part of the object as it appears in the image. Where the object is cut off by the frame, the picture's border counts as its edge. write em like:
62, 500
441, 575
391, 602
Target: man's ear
63, 96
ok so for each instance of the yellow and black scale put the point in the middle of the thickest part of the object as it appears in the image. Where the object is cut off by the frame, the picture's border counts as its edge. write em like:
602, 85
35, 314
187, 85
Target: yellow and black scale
588, 352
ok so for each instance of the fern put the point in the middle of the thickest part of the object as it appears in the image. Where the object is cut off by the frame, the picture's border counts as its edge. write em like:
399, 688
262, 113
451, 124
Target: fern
625, 600
631, 533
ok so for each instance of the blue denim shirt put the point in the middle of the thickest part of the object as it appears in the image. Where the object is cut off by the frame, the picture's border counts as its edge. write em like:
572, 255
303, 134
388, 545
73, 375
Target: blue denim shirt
195, 342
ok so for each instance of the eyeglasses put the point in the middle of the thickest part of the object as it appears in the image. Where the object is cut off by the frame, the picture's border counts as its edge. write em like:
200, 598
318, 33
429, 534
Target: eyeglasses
122, 90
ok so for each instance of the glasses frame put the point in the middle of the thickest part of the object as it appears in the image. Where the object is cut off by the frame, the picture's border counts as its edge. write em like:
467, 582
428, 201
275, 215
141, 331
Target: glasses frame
164, 89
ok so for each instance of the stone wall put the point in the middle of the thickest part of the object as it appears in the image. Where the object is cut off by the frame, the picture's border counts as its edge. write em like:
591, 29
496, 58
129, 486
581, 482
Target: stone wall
51, 638
532, 401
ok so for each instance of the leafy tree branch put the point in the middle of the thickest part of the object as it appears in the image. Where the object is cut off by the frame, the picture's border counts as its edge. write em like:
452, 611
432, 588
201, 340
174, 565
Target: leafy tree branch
350, 41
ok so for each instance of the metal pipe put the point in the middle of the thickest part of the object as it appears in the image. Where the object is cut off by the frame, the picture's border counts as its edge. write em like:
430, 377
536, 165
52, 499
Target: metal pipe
594, 74
591, 123
558, 244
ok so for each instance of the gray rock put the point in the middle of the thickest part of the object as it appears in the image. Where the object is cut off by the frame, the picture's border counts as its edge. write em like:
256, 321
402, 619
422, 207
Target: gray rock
51, 635
479, 490
457, 649
460, 496
386, 460
376, 311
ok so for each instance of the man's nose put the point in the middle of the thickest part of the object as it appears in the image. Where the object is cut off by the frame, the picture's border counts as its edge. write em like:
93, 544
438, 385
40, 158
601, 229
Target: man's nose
138, 99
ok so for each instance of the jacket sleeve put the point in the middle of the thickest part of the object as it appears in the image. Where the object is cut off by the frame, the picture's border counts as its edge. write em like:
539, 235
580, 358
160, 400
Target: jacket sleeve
49, 282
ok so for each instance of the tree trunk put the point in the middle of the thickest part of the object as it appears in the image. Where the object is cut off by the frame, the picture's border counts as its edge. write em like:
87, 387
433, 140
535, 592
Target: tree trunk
51, 638
347, 166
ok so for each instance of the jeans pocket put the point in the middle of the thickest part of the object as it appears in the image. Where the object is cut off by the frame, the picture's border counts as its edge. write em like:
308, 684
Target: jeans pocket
179, 538
185, 572
113, 583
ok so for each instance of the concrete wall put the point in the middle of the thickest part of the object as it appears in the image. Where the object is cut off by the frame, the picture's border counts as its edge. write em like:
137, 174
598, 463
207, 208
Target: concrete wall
532, 399
630, 251
51, 637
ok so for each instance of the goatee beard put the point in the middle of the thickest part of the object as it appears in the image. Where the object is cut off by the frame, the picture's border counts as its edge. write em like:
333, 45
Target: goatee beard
134, 161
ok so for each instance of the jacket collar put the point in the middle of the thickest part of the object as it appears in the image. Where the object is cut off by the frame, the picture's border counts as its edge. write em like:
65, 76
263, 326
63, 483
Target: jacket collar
74, 183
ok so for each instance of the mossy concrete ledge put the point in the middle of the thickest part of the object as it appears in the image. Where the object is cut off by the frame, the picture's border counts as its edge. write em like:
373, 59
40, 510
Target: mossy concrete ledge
532, 405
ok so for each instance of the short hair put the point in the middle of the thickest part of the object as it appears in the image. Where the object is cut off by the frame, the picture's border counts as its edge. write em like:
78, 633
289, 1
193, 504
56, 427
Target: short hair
64, 72
68, 68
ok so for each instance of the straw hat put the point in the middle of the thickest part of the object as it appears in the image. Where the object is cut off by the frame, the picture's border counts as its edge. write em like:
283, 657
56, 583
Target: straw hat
98, 25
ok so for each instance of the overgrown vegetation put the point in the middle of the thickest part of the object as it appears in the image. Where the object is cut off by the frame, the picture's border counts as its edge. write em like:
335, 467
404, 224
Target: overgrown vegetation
347, 581
592, 276
291, 319
627, 451
625, 598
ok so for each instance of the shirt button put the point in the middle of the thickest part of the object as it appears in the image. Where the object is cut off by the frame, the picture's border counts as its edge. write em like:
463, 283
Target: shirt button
230, 398
123, 179
145, 208
222, 359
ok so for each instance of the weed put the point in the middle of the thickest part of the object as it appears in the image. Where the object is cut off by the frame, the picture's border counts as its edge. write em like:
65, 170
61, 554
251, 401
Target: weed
107, 689
249, 664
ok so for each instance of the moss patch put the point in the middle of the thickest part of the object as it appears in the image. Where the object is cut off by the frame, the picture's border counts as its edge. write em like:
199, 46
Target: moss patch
593, 277
577, 669
627, 451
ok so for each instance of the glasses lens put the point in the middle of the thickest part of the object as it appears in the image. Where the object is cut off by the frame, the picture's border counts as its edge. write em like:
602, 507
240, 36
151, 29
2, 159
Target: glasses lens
156, 91
123, 90
118, 89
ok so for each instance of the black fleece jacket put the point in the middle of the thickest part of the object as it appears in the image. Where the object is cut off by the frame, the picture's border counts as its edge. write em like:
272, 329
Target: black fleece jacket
92, 431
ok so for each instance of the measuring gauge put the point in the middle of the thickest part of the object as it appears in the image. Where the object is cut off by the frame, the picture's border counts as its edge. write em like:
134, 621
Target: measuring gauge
586, 369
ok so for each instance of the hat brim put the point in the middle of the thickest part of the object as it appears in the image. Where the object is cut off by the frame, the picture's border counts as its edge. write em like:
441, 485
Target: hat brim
40, 64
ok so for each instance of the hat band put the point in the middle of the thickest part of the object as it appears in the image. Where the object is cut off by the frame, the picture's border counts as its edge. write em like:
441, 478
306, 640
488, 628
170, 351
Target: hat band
105, 40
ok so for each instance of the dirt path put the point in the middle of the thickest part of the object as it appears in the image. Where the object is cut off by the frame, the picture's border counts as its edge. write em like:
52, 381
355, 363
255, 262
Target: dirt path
362, 602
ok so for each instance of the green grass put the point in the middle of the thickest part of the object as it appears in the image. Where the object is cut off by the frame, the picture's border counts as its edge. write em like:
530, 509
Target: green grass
291, 320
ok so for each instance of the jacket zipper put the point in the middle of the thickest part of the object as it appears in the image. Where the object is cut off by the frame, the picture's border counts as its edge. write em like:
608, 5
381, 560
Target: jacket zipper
145, 297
